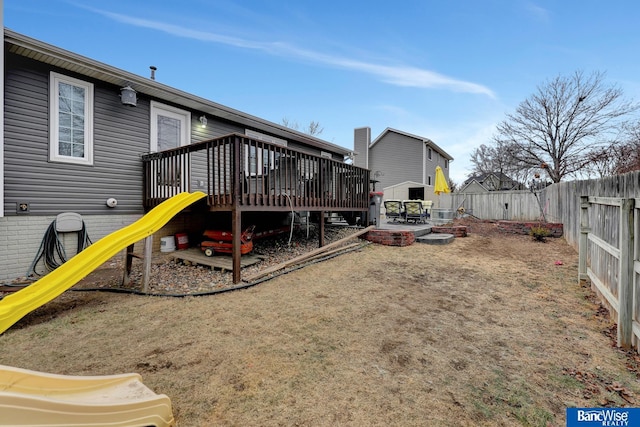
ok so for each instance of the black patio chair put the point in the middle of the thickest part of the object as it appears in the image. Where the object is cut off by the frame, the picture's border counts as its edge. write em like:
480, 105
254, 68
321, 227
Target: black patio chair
414, 211
393, 210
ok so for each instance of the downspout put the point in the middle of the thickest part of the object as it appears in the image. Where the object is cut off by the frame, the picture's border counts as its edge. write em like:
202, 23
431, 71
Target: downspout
2, 116
424, 162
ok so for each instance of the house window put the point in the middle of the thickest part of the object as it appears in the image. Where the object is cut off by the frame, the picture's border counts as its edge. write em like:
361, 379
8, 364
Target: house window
71, 118
429, 153
416, 193
446, 163
169, 127
259, 161
429, 180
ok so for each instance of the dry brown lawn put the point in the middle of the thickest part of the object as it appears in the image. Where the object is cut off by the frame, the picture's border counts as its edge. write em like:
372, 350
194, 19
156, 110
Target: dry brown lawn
486, 331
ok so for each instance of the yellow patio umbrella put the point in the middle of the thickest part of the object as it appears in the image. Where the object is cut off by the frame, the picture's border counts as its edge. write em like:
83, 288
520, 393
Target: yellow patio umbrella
441, 185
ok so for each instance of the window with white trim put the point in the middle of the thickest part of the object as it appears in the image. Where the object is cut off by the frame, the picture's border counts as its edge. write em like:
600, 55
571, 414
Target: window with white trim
170, 127
71, 120
259, 161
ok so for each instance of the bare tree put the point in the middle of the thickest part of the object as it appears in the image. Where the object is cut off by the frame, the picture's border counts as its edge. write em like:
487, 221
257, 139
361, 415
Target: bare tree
485, 159
499, 159
313, 128
628, 158
602, 162
621, 156
560, 127
289, 124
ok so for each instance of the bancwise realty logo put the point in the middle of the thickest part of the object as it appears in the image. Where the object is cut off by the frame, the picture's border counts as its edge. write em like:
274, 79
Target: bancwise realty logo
587, 417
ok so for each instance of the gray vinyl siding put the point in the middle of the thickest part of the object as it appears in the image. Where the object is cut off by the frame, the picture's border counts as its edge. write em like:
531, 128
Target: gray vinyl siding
437, 160
215, 129
296, 145
121, 134
398, 158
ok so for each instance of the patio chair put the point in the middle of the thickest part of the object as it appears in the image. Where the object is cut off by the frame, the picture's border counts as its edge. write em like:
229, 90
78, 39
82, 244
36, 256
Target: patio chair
393, 210
427, 204
414, 211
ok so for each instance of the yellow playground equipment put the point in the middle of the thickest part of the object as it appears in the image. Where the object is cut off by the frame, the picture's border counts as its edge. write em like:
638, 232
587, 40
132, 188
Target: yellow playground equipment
37, 399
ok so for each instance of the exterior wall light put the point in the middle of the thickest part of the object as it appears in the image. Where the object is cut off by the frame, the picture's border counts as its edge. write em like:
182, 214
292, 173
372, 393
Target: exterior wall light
203, 121
128, 96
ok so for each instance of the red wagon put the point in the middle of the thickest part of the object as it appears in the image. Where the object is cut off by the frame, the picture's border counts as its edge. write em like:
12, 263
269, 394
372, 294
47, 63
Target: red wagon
222, 241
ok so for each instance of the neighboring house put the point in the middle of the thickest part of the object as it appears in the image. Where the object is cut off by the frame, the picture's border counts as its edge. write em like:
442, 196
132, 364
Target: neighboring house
400, 161
494, 181
78, 132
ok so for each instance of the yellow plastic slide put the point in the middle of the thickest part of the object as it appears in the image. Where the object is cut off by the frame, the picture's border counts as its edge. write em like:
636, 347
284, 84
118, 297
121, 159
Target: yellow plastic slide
15, 306
30, 398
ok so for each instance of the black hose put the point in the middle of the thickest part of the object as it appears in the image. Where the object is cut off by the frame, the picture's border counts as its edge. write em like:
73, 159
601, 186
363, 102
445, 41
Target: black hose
51, 251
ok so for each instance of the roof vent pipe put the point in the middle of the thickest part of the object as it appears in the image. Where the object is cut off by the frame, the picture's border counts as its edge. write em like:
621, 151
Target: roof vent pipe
153, 72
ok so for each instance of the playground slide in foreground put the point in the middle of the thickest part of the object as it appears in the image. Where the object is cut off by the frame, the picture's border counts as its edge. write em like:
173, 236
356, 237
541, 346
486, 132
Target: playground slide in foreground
15, 306
30, 398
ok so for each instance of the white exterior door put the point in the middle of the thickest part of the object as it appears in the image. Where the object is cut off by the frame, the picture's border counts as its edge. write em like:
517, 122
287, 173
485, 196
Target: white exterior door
170, 128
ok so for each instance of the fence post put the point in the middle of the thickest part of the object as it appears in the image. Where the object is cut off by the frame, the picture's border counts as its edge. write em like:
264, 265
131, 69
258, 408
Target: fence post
584, 231
625, 278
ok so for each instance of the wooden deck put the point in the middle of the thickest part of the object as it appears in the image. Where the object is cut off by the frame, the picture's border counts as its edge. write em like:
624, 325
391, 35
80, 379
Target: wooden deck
240, 174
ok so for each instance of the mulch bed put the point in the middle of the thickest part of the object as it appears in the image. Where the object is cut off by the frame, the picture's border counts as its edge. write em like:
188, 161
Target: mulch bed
176, 278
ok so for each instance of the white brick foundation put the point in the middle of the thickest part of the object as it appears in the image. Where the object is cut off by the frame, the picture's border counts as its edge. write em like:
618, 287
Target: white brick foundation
21, 236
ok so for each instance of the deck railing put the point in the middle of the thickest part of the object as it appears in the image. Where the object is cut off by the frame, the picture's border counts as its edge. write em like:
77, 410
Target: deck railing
248, 174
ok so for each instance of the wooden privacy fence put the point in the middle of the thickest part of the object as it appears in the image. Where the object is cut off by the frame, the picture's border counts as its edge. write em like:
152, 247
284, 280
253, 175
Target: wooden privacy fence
608, 256
520, 205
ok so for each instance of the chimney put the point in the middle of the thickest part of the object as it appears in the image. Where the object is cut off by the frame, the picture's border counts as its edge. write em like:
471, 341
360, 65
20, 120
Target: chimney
153, 72
361, 142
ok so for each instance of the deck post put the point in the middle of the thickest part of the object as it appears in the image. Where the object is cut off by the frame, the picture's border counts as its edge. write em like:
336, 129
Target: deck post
236, 213
128, 263
321, 230
146, 271
236, 232
625, 278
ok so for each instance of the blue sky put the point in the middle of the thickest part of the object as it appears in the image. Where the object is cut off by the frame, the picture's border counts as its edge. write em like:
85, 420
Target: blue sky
445, 70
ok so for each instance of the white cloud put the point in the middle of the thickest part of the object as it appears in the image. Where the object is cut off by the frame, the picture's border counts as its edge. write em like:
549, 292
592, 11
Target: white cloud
538, 12
406, 76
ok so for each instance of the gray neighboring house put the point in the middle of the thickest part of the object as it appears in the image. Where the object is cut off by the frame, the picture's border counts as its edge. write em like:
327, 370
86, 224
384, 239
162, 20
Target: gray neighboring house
74, 136
403, 164
493, 181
